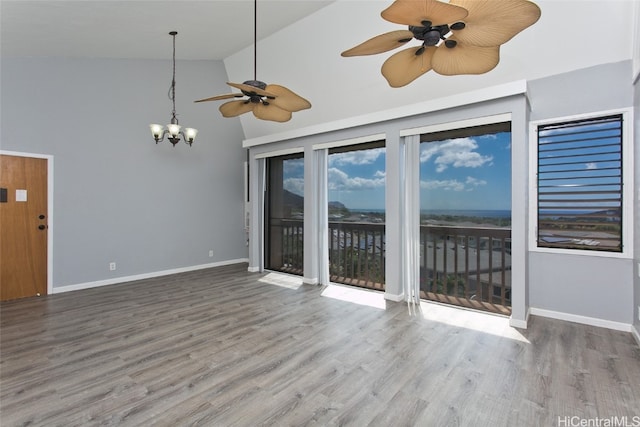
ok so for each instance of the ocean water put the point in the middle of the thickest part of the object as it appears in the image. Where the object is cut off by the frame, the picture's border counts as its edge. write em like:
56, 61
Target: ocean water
485, 213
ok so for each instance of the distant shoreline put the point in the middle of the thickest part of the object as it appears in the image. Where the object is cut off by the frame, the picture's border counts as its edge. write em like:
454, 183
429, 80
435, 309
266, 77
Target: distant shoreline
482, 213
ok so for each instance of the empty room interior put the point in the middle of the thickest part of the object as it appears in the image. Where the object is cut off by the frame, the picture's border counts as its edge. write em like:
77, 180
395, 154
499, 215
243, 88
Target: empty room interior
320, 212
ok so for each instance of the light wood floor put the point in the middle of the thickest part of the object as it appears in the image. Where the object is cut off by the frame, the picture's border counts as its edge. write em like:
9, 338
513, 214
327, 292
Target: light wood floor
223, 347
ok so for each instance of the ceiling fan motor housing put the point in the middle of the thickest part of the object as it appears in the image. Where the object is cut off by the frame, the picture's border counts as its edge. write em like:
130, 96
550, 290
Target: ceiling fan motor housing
255, 83
430, 35
254, 97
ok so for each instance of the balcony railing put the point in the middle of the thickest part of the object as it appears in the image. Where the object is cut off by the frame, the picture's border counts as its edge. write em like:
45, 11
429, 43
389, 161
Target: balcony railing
357, 254
466, 266
286, 239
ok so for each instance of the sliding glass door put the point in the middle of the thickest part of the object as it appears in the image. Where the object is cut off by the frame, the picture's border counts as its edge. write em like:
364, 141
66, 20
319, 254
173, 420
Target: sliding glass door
284, 214
356, 214
465, 217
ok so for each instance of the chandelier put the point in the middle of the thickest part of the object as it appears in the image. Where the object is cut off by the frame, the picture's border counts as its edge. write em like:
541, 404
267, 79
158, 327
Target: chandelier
173, 130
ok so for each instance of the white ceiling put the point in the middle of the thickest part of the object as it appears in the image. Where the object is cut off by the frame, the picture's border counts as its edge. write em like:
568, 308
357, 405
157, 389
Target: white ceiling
316, 32
210, 29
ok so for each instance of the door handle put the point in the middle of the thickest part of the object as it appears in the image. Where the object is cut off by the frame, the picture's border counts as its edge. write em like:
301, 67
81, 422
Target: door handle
42, 227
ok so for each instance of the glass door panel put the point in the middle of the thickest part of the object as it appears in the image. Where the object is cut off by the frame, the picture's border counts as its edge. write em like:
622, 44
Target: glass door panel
465, 217
284, 211
356, 191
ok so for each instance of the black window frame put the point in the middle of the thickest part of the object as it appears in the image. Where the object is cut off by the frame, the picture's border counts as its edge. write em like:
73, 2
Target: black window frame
580, 184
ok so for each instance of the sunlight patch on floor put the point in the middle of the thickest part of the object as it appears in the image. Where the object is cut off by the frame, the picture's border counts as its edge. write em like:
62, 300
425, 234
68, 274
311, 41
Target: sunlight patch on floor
356, 296
470, 319
282, 280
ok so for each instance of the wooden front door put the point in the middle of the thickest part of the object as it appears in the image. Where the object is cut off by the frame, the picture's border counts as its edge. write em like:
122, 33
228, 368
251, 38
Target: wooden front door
23, 227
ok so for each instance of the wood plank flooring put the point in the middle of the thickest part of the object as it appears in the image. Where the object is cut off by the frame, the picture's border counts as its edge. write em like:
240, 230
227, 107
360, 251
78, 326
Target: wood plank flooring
224, 347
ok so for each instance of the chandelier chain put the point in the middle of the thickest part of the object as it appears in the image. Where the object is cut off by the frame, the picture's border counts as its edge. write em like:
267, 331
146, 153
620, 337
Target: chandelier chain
172, 90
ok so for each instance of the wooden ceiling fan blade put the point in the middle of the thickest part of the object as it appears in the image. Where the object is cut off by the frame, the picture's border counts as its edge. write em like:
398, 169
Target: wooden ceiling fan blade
465, 59
494, 22
405, 66
414, 12
250, 89
220, 97
382, 43
271, 112
287, 99
235, 108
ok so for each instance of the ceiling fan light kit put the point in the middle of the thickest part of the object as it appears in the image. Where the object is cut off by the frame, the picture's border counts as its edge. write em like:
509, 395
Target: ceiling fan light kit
173, 130
460, 37
267, 101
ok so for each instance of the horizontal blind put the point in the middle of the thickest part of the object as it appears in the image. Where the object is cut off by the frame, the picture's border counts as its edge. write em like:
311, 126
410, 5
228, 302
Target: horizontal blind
580, 184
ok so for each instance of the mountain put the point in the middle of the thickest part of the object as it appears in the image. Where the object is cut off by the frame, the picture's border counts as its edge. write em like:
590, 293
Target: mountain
295, 201
337, 206
292, 200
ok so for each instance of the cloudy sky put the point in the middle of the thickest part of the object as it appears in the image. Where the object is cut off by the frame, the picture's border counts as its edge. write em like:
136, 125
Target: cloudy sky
464, 173
472, 173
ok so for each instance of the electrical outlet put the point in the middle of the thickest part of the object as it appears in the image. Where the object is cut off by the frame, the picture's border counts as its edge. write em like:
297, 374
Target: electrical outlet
210, 254
112, 266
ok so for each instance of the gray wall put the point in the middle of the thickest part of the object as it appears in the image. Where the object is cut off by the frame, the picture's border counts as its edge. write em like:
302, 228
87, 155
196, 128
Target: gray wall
582, 285
636, 204
599, 88
117, 195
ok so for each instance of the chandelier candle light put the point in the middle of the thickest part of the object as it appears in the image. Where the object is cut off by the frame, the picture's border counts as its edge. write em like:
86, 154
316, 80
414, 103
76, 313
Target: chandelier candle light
173, 129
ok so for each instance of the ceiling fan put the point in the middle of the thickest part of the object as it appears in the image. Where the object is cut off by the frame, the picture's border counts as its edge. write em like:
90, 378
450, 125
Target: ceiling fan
459, 37
266, 101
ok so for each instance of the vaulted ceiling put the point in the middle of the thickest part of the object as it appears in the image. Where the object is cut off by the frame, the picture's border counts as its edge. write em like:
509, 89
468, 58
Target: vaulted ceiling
211, 29
300, 43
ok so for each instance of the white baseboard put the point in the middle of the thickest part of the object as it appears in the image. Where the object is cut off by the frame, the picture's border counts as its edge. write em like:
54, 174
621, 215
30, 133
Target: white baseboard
592, 321
519, 323
116, 280
310, 281
253, 269
394, 297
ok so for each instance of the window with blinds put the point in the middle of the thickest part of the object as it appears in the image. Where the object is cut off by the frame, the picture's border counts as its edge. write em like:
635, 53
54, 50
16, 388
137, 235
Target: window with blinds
580, 184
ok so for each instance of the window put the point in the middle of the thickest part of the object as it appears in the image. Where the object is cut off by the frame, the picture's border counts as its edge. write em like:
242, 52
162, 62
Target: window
580, 184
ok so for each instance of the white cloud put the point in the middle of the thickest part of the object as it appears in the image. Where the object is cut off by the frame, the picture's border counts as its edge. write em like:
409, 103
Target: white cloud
591, 166
292, 166
339, 180
380, 174
449, 184
452, 184
475, 181
362, 157
457, 152
295, 185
